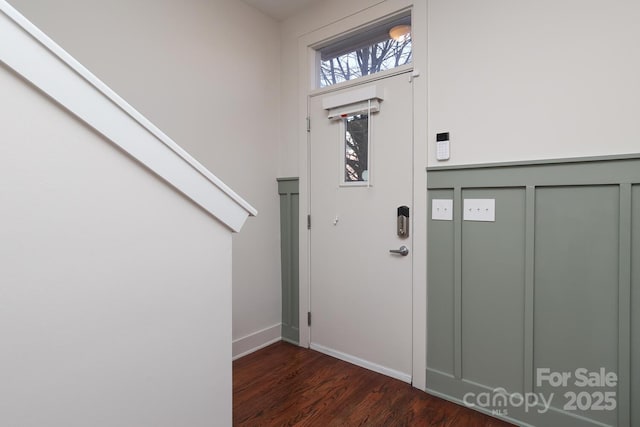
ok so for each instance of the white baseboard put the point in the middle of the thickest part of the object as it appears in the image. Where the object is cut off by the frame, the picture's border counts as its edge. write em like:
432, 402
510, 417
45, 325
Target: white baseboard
257, 340
363, 363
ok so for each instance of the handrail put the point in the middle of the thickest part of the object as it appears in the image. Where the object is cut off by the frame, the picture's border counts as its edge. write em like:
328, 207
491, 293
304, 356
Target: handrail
31, 53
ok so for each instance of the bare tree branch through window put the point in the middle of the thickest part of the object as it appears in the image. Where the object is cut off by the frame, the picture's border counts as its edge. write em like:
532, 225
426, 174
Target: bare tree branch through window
372, 59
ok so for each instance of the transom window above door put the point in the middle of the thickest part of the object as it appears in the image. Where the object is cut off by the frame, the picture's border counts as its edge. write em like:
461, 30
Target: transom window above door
380, 47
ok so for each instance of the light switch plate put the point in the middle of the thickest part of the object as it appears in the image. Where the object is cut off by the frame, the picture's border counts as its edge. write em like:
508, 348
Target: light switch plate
479, 210
442, 209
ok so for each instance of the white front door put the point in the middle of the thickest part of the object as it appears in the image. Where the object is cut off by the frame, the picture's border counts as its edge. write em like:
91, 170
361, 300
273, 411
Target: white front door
360, 174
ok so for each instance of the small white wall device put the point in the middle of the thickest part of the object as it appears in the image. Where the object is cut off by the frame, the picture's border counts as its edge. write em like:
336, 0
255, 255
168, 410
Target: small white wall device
442, 146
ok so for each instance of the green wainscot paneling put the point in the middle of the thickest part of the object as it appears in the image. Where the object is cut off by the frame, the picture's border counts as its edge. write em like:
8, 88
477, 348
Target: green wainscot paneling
576, 286
493, 298
289, 249
440, 296
635, 304
530, 305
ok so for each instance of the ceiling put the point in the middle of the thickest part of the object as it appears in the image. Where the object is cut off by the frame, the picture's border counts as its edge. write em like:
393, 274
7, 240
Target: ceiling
281, 9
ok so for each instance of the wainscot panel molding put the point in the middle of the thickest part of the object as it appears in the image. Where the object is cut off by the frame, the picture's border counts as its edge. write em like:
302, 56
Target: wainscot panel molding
550, 288
289, 251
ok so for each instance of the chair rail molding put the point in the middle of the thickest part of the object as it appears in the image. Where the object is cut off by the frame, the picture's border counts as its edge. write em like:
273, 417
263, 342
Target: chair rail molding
39, 60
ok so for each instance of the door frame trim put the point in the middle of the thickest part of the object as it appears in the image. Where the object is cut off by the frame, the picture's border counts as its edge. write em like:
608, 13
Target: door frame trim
307, 62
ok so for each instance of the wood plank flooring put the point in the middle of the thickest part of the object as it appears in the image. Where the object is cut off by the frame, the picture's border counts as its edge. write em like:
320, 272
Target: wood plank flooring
286, 385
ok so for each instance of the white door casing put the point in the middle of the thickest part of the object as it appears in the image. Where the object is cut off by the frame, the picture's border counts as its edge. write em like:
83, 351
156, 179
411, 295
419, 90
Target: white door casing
360, 293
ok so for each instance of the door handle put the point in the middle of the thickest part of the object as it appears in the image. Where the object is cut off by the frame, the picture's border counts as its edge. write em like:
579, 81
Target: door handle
404, 251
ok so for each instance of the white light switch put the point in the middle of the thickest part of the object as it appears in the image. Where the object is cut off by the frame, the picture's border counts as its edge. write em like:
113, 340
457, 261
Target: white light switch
442, 209
479, 210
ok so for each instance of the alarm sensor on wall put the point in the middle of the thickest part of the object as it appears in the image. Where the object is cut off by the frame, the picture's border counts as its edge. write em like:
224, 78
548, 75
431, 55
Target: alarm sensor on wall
442, 146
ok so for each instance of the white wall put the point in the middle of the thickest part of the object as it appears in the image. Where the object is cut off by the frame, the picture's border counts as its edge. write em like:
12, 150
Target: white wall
116, 289
510, 80
522, 80
206, 72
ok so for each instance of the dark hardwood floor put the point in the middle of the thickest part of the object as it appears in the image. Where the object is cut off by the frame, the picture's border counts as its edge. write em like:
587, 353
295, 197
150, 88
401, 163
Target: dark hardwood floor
286, 385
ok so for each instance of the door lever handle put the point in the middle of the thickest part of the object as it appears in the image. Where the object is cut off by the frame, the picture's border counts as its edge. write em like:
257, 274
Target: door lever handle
404, 251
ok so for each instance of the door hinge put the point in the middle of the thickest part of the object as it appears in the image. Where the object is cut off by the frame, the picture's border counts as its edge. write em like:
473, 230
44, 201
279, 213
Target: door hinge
308, 318
308, 222
308, 124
